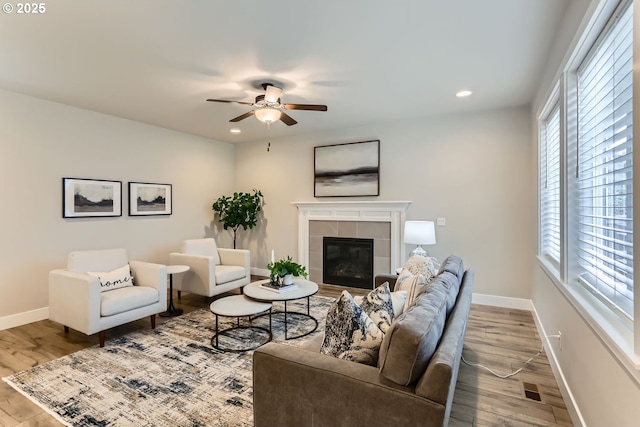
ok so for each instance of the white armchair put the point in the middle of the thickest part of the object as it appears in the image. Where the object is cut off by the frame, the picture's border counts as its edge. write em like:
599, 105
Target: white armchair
212, 270
77, 299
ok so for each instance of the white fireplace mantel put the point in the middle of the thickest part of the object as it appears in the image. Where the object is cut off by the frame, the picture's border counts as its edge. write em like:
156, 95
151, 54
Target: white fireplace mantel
393, 212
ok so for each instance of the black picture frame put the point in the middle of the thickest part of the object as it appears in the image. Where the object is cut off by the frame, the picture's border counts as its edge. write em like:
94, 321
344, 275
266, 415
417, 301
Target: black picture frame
91, 198
147, 198
347, 170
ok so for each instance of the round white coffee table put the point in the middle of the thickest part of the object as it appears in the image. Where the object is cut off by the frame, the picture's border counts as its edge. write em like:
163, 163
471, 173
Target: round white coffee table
305, 289
239, 306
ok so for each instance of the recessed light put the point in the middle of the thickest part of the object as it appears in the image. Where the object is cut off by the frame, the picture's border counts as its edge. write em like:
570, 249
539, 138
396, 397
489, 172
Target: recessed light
463, 93
235, 130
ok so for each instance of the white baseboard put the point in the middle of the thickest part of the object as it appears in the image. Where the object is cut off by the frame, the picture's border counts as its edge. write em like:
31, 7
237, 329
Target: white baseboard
20, 319
498, 301
565, 391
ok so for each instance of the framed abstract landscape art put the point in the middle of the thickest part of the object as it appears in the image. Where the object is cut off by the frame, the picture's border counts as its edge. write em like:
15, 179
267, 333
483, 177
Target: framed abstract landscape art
351, 169
86, 198
149, 199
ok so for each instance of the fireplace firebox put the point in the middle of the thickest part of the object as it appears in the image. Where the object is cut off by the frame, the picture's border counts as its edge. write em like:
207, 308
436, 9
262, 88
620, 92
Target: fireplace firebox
347, 262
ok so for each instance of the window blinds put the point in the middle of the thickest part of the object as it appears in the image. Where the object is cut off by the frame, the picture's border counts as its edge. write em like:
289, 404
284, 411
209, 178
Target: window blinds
604, 166
550, 187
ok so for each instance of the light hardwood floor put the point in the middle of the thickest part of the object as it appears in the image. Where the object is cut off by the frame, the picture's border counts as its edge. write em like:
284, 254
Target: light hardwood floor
501, 339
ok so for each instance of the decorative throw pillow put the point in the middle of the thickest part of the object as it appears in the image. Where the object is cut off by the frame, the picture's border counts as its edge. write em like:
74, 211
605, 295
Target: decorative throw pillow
398, 300
424, 266
118, 278
378, 306
350, 334
411, 283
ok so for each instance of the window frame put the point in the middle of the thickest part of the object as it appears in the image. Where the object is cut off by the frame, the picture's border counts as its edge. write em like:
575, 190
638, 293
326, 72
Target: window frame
552, 106
618, 333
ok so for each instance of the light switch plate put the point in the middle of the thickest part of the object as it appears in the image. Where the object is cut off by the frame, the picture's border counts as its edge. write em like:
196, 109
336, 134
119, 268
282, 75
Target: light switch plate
441, 222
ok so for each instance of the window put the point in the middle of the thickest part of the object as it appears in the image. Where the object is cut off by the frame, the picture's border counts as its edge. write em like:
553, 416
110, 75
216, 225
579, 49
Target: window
603, 182
550, 186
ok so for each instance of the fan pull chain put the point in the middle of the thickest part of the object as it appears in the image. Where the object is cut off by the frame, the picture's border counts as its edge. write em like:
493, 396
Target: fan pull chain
268, 143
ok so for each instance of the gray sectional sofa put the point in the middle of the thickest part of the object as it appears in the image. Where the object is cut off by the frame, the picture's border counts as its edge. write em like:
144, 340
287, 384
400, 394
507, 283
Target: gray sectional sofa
412, 385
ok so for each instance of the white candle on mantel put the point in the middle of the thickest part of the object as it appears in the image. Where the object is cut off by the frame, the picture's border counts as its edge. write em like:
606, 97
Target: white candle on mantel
273, 256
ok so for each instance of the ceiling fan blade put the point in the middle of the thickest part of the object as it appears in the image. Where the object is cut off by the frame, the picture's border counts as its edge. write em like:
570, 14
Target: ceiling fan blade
243, 116
230, 102
273, 94
311, 107
287, 119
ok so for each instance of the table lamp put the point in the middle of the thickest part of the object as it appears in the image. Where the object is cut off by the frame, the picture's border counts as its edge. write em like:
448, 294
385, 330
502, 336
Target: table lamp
419, 233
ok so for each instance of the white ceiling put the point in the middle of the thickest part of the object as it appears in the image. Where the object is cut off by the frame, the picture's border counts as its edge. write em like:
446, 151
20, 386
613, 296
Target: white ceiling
156, 61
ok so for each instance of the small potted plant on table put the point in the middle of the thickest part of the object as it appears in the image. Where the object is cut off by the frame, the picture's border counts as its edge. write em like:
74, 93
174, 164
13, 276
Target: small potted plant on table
283, 271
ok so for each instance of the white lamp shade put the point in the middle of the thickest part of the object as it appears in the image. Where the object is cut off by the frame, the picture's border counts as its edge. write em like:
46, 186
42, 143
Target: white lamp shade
420, 232
268, 115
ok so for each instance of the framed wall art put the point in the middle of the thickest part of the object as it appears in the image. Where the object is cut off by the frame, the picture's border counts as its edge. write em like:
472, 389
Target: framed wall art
351, 169
149, 199
85, 198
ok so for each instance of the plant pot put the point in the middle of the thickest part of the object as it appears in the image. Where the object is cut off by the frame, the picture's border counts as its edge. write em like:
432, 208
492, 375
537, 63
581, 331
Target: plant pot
287, 279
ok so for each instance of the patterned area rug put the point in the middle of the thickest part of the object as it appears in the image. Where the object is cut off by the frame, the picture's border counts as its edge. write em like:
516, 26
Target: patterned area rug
170, 376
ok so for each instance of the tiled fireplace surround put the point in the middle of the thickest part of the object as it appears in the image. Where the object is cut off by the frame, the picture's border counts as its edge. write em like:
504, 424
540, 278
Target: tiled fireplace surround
381, 221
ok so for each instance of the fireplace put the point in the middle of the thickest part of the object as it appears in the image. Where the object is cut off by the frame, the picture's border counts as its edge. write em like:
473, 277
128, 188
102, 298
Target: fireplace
347, 261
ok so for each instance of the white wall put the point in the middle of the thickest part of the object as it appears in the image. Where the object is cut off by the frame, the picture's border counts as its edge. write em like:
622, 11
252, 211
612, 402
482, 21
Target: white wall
595, 383
41, 142
471, 169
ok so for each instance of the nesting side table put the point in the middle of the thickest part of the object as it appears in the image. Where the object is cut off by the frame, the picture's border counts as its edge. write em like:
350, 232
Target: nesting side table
239, 306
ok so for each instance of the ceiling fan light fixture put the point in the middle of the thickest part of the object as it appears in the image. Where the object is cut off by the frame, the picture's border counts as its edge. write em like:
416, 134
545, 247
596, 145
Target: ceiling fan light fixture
268, 115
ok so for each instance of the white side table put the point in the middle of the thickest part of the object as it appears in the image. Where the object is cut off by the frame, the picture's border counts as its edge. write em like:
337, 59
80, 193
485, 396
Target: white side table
171, 270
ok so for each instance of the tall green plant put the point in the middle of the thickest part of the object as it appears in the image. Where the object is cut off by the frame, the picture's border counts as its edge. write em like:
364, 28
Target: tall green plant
239, 210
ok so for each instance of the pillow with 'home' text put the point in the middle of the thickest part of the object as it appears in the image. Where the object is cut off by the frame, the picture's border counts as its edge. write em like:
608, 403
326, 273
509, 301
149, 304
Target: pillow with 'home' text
118, 278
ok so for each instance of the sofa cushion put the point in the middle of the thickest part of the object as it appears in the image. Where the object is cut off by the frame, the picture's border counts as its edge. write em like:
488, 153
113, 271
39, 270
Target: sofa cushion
97, 260
413, 337
202, 247
452, 284
350, 334
118, 278
227, 273
378, 306
453, 264
126, 299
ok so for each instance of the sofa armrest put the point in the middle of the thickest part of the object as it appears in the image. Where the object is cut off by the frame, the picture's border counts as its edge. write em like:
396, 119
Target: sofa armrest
74, 300
149, 274
296, 387
391, 278
200, 266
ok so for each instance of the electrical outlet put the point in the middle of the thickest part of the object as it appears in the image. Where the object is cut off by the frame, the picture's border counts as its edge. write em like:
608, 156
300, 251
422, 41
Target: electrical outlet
560, 340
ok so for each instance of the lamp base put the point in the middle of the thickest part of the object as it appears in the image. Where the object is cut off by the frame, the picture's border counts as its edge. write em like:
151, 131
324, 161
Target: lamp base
419, 251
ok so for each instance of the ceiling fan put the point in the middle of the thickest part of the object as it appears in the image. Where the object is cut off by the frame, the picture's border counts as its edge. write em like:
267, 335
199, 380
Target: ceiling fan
269, 109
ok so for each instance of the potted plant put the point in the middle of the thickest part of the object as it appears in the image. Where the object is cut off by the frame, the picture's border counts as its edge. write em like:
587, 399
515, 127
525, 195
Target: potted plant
285, 269
239, 210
